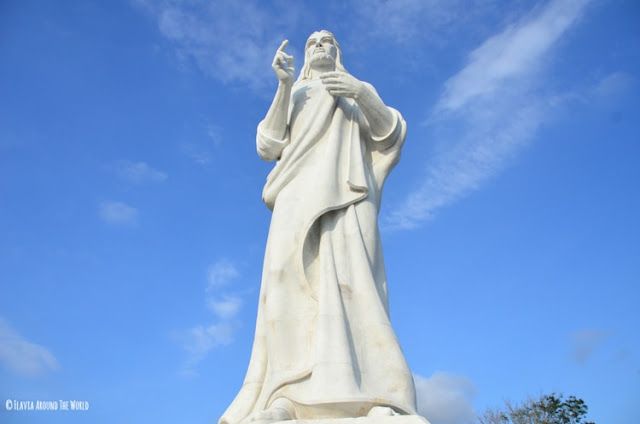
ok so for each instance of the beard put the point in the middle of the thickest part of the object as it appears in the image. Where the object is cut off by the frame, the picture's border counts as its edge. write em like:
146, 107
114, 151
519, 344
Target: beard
321, 59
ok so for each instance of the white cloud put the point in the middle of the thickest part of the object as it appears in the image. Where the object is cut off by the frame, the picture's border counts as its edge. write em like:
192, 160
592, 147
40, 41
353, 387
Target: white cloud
490, 109
585, 342
512, 55
614, 84
214, 132
200, 340
408, 20
118, 213
225, 308
231, 41
221, 273
445, 398
201, 151
138, 172
203, 339
22, 356
197, 153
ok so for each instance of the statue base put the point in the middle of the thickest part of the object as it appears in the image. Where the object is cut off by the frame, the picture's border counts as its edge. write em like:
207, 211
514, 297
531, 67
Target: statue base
396, 419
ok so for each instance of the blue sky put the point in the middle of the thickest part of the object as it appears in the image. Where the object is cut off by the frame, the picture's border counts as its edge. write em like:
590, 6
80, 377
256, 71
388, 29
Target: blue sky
133, 230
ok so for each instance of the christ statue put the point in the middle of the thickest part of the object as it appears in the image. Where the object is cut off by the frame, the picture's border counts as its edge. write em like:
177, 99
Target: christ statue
324, 346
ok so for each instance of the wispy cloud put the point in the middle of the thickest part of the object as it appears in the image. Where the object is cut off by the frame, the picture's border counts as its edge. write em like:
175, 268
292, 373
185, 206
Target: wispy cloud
200, 340
198, 153
408, 20
202, 149
214, 133
231, 41
226, 307
118, 213
614, 84
585, 342
445, 398
490, 109
511, 56
220, 273
21, 356
138, 172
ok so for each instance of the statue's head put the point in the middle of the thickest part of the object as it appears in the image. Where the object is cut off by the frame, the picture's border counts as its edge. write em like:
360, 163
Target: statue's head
321, 52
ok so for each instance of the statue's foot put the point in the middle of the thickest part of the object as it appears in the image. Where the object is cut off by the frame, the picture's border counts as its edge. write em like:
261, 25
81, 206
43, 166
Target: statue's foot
280, 410
382, 411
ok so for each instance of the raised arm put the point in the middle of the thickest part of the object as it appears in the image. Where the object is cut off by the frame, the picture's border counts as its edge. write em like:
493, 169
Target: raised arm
274, 124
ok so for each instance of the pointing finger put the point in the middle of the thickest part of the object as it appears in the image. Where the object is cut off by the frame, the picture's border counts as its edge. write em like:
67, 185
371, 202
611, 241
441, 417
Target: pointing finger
283, 45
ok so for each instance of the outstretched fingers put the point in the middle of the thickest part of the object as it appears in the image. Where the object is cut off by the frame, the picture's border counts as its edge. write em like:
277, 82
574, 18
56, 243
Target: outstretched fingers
332, 78
335, 87
332, 74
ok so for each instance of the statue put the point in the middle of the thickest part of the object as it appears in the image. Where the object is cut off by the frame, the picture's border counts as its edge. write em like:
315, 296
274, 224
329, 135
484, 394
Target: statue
324, 346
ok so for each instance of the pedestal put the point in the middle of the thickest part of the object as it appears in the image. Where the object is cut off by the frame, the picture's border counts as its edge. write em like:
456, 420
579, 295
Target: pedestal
397, 419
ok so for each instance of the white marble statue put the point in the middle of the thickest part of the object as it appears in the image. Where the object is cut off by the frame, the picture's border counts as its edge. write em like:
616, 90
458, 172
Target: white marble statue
324, 346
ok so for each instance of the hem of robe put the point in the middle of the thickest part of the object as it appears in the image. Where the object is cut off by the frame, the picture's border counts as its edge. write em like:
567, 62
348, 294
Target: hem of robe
368, 402
353, 194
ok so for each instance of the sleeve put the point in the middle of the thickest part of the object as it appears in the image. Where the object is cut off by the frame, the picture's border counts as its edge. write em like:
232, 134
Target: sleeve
394, 134
385, 151
270, 148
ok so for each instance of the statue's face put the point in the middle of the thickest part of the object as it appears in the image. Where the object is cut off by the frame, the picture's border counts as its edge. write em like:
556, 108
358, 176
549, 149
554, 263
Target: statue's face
321, 51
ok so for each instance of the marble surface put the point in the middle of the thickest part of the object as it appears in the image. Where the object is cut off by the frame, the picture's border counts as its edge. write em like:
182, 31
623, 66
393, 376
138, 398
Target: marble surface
400, 419
324, 346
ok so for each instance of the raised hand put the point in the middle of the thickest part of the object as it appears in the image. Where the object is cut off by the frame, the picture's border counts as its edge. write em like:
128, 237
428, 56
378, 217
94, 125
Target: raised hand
342, 84
283, 64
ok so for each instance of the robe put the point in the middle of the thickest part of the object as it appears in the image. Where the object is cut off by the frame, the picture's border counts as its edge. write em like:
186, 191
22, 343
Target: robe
323, 338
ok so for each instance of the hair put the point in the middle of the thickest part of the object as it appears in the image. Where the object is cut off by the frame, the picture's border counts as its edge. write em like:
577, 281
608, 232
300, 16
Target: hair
305, 73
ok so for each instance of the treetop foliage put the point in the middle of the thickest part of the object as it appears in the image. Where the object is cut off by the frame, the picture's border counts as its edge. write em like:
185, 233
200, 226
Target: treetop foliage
548, 409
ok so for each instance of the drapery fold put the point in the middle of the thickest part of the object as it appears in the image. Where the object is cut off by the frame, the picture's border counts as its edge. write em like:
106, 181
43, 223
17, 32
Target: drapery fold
323, 337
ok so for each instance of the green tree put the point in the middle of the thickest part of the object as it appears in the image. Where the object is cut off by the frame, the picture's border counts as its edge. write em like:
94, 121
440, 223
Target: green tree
548, 409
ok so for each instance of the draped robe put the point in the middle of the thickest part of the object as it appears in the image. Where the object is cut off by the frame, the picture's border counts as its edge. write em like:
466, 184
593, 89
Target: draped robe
323, 337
